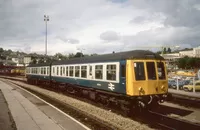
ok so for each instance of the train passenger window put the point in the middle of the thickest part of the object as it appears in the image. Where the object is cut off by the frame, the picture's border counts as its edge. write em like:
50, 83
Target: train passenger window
60, 71
123, 70
41, 70
71, 71
161, 70
67, 71
84, 71
111, 72
53, 70
151, 70
99, 72
77, 71
57, 72
63, 71
45, 70
139, 70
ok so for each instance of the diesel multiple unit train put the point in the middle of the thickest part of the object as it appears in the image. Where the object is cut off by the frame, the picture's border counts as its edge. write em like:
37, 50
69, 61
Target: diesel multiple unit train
128, 79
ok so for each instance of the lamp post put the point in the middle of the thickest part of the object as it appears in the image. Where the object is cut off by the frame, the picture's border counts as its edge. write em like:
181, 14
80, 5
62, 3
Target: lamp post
46, 18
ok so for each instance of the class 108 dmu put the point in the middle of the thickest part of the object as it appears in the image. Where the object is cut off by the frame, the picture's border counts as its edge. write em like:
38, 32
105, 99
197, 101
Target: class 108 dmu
128, 79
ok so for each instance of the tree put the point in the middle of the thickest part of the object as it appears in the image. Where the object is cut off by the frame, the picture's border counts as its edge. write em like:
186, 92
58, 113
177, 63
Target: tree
164, 50
169, 50
79, 54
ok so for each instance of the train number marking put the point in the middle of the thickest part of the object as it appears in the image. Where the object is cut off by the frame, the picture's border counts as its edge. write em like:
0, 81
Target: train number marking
111, 86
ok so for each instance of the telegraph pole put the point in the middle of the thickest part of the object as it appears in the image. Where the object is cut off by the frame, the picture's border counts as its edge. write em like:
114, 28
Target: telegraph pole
46, 19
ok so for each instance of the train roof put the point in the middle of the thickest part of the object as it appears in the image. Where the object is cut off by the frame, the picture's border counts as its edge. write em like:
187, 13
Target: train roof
135, 54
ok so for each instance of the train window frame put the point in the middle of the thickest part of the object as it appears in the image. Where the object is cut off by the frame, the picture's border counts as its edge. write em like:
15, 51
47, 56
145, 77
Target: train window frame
77, 71
111, 71
99, 68
136, 64
83, 71
150, 74
71, 69
161, 77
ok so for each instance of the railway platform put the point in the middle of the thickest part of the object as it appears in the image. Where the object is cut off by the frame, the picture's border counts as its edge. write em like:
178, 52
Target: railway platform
31, 115
184, 95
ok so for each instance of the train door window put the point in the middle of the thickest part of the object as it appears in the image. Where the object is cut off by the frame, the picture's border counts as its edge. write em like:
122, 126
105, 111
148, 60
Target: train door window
98, 71
139, 70
84, 71
77, 71
161, 70
151, 70
123, 70
57, 71
111, 72
67, 71
71, 71
61, 71
90, 71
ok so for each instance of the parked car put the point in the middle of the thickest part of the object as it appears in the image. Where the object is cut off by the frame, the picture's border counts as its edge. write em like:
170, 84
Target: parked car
189, 87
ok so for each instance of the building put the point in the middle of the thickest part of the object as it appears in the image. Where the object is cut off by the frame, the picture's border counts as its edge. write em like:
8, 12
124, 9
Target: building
197, 51
22, 60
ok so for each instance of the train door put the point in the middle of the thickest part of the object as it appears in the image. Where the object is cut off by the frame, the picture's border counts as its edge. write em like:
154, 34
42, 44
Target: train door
90, 72
123, 74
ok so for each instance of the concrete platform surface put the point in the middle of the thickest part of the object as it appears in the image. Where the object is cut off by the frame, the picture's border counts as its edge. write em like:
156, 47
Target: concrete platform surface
183, 94
29, 113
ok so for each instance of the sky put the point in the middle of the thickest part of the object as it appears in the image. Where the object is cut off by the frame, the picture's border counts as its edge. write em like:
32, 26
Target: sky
98, 26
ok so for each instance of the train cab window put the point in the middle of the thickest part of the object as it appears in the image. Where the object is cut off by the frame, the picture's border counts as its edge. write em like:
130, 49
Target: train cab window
111, 72
77, 71
161, 70
84, 71
99, 72
71, 71
60, 71
123, 70
139, 70
57, 72
67, 71
151, 70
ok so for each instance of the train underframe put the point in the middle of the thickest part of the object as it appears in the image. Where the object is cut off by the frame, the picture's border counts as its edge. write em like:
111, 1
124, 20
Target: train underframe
126, 103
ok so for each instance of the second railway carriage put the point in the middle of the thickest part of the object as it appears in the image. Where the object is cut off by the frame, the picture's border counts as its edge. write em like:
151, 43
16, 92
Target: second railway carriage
134, 75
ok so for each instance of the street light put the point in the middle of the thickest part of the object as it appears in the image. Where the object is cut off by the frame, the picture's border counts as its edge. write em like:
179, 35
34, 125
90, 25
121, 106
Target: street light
46, 18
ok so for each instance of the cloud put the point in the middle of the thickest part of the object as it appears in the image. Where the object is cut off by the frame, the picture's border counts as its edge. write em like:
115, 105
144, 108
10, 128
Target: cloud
109, 36
99, 26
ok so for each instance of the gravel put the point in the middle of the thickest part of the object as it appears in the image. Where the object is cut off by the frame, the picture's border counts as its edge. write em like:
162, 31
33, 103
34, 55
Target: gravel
109, 117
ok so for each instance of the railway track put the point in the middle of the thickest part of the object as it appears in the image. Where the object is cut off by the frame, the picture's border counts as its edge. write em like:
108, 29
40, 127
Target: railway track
151, 118
170, 123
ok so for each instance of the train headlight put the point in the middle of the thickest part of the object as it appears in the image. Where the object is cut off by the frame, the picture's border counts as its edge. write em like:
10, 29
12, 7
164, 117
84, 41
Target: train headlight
141, 90
163, 88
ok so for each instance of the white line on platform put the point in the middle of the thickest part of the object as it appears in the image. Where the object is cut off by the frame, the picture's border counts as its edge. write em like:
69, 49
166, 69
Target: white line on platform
55, 108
